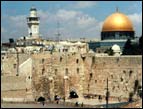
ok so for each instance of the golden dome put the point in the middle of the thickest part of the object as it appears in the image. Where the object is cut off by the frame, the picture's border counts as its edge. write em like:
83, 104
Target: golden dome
117, 22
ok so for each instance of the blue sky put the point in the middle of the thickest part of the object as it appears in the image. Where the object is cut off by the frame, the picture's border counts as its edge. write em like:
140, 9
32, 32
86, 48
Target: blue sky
77, 18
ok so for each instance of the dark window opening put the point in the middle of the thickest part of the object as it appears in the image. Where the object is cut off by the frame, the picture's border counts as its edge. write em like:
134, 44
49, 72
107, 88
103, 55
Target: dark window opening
121, 79
60, 59
43, 71
124, 71
83, 58
113, 88
130, 73
95, 81
56, 71
43, 61
112, 76
93, 59
77, 61
66, 71
77, 70
90, 75
14, 65
29, 77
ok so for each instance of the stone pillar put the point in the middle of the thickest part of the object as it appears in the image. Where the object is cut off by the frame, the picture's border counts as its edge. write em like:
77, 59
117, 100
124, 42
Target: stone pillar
66, 87
29, 90
51, 88
29, 95
81, 83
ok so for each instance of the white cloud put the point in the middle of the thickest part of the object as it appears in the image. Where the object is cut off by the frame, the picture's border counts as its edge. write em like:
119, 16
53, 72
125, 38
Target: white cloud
19, 20
66, 15
85, 21
3, 30
44, 15
136, 19
85, 4
73, 24
14, 27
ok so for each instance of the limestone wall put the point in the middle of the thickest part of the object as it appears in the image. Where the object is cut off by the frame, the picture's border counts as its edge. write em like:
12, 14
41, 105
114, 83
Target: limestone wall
86, 74
70, 65
9, 63
44, 75
121, 72
13, 86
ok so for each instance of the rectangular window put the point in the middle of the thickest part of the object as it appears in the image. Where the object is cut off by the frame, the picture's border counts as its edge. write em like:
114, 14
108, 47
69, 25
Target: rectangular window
43, 61
77, 70
60, 59
56, 71
14, 65
77, 61
66, 73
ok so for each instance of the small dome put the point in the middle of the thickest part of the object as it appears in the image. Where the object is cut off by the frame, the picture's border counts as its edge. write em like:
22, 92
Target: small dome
116, 48
91, 51
33, 9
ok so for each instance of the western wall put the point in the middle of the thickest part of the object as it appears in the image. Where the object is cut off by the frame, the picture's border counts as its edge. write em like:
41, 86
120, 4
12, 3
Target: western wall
47, 75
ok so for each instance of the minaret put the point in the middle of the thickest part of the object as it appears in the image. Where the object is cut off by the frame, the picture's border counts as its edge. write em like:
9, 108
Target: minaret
33, 24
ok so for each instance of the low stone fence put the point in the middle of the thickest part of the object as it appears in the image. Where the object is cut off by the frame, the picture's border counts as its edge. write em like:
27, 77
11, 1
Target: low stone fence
13, 99
17, 100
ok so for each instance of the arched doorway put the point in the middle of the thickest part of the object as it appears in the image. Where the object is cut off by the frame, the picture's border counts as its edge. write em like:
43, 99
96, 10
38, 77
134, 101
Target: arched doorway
41, 99
73, 94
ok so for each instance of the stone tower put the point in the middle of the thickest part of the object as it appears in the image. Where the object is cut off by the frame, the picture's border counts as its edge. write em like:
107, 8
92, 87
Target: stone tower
33, 24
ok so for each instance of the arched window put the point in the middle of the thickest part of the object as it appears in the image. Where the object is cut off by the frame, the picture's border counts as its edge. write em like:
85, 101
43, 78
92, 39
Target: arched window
60, 59
77, 61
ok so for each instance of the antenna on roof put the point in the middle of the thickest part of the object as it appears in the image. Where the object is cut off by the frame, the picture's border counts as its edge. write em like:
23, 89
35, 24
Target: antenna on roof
117, 9
58, 31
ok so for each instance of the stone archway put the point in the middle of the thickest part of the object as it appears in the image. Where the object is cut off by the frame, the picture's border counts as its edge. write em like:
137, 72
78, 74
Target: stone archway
41, 99
73, 94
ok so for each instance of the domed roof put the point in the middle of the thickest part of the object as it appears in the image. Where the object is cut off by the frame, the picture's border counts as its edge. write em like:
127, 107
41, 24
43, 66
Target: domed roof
117, 22
33, 9
116, 48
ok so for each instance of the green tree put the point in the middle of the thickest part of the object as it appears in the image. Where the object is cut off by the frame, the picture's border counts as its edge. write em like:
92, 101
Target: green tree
135, 49
127, 48
141, 43
109, 52
132, 49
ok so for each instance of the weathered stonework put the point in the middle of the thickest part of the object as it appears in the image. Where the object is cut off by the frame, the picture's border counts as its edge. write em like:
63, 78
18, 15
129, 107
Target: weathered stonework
58, 73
